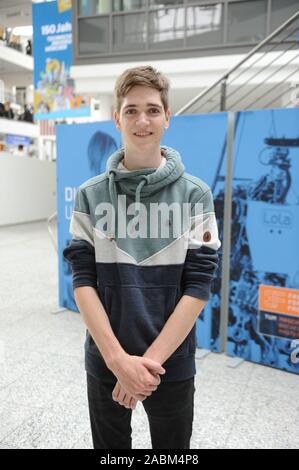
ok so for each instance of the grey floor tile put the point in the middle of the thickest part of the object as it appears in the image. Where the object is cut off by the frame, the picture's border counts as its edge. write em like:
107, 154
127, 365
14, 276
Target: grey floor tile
42, 383
269, 379
265, 420
12, 417
43, 402
6, 447
84, 442
215, 365
56, 426
140, 429
216, 403
18, 363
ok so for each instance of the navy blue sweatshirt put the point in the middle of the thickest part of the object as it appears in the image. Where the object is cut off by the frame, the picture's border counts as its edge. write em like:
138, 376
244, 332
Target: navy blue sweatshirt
140, 277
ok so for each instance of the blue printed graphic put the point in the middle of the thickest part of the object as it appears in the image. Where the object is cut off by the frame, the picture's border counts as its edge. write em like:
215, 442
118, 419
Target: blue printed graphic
54, 89
82, 152
265, 227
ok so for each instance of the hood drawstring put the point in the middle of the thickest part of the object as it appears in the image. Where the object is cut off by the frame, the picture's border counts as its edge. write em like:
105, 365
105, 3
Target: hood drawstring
112, 189
143, 182
113, 193
139, 188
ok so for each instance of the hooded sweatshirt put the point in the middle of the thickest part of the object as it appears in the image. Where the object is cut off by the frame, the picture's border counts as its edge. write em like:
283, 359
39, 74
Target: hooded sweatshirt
140, 263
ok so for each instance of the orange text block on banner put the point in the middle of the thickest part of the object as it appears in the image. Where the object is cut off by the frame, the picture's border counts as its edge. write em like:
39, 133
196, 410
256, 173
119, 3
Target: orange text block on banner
279, 300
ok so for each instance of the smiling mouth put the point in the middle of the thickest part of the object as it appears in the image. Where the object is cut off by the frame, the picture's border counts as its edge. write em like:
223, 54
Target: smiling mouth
143, 134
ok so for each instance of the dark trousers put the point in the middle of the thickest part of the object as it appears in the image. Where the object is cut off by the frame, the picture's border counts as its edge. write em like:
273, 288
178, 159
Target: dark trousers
169, 410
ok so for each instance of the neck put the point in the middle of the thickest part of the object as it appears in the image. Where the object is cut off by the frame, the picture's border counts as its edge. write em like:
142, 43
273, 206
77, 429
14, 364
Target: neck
141, 159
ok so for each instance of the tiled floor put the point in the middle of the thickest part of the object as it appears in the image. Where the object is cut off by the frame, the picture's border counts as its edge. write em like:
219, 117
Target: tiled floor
42, 381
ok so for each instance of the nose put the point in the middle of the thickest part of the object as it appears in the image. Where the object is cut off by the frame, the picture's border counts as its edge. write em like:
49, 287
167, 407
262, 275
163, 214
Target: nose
142, 119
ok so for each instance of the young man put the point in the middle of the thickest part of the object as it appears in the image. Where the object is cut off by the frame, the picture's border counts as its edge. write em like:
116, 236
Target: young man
140, 292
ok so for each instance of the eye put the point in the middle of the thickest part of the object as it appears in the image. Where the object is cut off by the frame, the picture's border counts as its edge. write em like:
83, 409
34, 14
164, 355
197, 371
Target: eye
155, 110
129, 111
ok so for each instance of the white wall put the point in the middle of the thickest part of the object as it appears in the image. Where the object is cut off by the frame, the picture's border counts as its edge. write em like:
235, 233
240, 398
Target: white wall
8, 54
11, 126
27, 189
12, 79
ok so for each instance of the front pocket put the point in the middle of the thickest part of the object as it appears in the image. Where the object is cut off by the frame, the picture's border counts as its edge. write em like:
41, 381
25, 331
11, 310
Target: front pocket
138, 314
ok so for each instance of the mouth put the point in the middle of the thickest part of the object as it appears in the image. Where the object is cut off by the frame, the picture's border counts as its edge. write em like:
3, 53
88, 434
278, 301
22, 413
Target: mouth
143, 135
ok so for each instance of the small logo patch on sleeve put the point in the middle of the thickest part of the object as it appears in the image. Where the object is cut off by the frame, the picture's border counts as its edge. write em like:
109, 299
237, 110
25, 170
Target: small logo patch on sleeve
207, 236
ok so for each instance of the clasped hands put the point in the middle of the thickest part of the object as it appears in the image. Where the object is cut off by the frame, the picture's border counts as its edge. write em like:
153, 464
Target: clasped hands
137, 378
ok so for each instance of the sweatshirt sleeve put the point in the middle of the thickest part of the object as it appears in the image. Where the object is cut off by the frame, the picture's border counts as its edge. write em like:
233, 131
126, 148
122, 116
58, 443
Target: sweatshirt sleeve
201, 259
80, 252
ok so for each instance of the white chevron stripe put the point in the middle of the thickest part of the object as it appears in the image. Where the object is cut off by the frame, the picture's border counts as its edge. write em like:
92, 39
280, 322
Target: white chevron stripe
201, 225
107, 251
174, 253
81, 227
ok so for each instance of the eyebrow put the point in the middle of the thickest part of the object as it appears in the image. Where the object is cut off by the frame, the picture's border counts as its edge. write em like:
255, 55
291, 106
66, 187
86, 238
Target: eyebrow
147, 104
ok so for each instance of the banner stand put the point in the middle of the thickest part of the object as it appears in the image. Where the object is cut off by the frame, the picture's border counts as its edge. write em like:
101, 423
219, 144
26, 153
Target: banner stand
225, 274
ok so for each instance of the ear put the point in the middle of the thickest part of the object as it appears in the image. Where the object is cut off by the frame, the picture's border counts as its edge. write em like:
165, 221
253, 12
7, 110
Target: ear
167, 122
116, 119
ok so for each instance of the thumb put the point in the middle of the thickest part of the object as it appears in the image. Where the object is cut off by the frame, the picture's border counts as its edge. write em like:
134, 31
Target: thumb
154, 366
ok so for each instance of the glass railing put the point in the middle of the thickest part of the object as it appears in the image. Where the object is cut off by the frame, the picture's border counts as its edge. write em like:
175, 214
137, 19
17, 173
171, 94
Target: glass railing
17, 42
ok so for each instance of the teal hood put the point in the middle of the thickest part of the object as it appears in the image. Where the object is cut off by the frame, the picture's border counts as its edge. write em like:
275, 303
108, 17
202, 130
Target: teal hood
145, 182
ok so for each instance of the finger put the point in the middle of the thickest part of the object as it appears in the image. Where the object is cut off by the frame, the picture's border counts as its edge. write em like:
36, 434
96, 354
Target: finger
155, 370
151, 385
127, 401
140, 397
121, 396
150, 388
153, 380
146, 393
153, 366
154, 383
116, 391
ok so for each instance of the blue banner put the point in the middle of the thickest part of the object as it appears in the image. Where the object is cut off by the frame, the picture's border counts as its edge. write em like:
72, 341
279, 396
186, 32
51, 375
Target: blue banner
201, 141
264, 278
54, 89
82, 152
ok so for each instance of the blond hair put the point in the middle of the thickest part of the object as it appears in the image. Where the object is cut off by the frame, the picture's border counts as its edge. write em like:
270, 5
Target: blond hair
144, 76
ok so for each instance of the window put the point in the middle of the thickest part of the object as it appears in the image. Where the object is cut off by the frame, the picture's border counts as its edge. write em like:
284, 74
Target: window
246, 21
94, 35
93, 7
126, 5
166, 28
281, 11
204, 25
129, 32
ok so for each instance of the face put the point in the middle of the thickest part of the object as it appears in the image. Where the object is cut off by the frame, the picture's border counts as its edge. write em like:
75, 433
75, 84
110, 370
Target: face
142, 119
